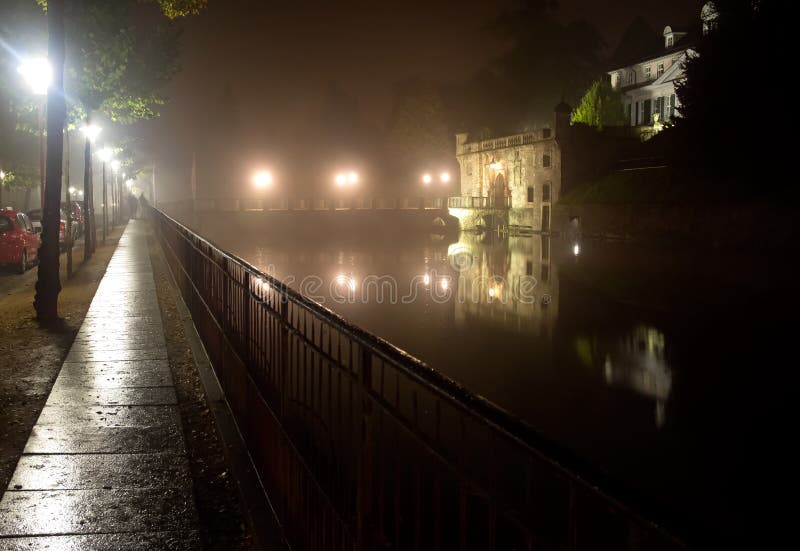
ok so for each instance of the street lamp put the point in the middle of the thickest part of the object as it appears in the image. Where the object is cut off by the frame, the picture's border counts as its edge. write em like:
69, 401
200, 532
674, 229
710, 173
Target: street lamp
91, 131
427, 179
444, 177
105, 155
38, 74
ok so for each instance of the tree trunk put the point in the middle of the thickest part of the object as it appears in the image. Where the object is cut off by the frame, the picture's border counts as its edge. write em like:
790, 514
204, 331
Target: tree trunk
48, 284
68, 195
88, 204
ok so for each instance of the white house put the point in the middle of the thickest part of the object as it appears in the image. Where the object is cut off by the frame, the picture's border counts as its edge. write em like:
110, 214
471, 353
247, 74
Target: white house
648, 83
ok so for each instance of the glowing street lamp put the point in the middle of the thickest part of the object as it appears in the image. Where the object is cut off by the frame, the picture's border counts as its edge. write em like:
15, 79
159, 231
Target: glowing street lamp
352, 178
115, 165
444, 177
263, 179
427, 179
341, 180
38, 74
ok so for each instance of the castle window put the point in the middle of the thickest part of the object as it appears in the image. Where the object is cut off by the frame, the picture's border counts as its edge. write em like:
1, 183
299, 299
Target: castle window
545, 133
530, 194
546, 193
546, 160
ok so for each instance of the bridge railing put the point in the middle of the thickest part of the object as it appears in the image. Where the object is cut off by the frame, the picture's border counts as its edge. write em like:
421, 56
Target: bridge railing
253, 204
467, 202
361, 446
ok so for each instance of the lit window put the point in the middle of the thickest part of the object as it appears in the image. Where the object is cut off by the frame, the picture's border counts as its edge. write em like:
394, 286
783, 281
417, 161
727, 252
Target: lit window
660, 70
647, 74
670, 41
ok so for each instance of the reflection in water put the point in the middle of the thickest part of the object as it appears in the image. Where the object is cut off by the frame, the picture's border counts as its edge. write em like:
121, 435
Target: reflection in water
512, 284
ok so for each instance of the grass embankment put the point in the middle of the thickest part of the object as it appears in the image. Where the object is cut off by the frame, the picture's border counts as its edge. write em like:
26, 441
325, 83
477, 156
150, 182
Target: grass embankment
653, 186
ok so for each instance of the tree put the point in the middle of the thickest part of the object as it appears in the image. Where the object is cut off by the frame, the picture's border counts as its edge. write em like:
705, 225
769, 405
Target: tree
600, 106
48, 284
718, 123
549, 61
418, 134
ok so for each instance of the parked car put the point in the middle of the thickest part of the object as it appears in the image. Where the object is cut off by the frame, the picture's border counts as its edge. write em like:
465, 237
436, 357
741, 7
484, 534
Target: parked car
19, 241
36, 219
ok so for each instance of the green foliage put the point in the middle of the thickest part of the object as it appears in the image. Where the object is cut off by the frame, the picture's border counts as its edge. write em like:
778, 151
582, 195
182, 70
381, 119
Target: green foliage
118, 54
170, 8
600, 106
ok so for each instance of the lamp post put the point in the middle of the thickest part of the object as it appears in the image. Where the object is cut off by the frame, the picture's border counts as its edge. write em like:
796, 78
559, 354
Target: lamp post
90, 131
38, 74
115, 166
105, 156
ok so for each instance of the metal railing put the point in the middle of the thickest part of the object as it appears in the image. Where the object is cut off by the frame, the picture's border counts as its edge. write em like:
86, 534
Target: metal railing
466, 202
361, 446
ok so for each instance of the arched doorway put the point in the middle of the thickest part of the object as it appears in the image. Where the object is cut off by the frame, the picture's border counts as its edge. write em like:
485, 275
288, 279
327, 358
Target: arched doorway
499, 191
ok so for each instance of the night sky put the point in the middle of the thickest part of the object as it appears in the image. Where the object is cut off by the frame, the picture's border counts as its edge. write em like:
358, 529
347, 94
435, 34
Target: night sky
278, 57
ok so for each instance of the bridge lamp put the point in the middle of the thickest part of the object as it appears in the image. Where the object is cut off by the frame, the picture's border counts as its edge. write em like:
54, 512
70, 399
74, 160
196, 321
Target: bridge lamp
444, 177
341, 180
263, 179
427, 179
352, 178
37, 73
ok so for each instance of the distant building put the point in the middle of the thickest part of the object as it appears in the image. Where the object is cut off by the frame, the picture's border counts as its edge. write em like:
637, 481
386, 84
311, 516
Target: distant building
648, 81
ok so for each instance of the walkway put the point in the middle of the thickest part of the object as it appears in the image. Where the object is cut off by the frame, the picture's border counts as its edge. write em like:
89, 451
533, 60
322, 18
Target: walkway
105, 466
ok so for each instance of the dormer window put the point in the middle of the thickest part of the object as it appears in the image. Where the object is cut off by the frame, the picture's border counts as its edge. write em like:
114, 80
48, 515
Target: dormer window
670, 41
647, 72
659, 70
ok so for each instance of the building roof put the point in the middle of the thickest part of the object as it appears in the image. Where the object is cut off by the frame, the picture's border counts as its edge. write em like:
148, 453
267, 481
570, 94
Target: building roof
640, 43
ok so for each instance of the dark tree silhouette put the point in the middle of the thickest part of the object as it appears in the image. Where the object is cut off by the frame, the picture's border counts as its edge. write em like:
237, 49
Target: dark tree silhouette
729, 132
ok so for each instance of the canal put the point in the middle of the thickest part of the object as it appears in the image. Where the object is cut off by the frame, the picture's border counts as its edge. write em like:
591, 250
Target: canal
666, 369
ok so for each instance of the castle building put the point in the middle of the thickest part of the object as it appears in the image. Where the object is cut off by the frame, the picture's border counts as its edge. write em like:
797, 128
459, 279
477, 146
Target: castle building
511, 181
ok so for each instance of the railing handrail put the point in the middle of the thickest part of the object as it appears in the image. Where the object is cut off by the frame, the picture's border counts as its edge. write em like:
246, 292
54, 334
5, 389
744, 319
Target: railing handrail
509, 425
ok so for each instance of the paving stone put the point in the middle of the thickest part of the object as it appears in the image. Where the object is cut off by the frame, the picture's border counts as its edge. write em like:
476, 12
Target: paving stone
112, 377
110, 416
115, 344
88, 438
101, 471
96, 511
141, 541
68, 396
71, 369
94, 355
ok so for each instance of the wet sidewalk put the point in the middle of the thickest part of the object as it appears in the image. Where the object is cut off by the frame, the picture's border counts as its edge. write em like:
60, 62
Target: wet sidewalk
105, 466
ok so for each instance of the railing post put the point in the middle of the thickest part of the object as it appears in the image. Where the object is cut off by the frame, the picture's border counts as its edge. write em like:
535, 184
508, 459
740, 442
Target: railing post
364, 491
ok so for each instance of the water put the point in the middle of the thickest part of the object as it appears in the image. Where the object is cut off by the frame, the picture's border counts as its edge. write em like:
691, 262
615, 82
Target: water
666, 369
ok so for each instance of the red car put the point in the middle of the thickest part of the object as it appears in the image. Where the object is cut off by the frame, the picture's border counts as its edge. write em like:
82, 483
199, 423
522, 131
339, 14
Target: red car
19, 242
